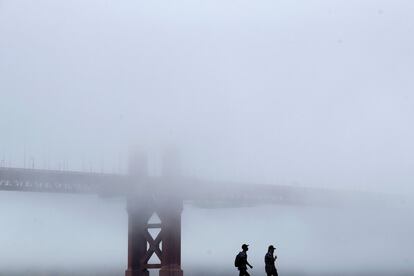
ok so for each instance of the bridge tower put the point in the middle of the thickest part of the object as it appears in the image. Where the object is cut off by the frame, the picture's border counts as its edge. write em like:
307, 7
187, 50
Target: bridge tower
141, 205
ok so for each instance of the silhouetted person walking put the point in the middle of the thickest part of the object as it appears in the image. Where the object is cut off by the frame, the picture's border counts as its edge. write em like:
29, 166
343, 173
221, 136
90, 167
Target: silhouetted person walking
270, 262
241, 261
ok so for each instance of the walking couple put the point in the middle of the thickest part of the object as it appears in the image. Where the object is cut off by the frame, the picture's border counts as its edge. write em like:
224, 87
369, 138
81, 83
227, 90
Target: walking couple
241, 261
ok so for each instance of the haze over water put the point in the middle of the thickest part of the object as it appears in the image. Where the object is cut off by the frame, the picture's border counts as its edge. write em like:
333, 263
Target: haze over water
86, 233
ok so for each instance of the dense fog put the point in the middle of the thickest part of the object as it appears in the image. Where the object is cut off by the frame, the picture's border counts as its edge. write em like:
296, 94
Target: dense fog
297, 93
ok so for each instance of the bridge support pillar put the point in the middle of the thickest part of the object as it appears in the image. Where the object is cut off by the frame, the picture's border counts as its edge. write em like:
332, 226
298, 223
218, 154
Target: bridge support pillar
138, 215
171, 239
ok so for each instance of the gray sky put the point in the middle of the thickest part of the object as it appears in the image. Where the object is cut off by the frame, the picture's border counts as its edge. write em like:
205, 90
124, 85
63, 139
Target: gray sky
313, 93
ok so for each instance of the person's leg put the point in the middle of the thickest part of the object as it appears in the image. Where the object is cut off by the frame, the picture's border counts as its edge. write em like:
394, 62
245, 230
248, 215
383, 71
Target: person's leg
268, 272
243, 272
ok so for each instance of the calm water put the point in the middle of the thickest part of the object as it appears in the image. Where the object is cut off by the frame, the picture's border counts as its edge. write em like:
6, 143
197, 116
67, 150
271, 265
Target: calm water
68, 235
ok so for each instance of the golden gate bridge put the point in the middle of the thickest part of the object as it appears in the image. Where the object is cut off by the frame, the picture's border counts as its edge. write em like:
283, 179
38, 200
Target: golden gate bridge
162, 195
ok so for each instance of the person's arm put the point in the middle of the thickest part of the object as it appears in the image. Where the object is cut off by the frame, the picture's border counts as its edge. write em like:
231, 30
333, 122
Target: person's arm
249, 264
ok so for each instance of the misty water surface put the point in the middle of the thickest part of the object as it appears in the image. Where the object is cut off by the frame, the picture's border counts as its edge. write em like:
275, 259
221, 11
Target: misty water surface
73, 232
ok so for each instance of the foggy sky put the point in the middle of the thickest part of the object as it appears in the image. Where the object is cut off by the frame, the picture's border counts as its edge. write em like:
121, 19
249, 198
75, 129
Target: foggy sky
312, 93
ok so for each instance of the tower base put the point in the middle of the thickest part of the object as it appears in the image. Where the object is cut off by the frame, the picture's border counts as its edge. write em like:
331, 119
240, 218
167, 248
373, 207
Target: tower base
171, 271
136, 272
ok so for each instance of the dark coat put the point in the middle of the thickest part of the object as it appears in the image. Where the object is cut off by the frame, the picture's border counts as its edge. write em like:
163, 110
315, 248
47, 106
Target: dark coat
270, 262
243, 260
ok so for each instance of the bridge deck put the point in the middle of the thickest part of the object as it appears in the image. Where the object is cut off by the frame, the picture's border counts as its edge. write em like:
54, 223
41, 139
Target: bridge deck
204, 194
32, 180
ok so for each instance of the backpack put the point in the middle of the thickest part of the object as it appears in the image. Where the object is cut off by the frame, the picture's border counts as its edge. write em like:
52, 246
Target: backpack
237, 260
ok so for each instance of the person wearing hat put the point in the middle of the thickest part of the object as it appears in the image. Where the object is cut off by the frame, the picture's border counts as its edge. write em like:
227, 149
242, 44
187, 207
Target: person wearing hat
270, 262
242, 262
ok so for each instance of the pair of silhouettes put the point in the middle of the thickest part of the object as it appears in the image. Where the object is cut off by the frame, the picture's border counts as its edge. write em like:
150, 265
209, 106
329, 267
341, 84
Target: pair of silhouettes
241, 261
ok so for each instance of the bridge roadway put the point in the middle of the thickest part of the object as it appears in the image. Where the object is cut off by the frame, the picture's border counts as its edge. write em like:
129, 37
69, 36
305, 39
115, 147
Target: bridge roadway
50, 181
202, 193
